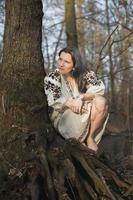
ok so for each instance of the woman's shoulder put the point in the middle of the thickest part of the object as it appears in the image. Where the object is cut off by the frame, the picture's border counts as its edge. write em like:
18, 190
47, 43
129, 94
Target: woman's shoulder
53, 78
91, 77
54, 75
89, 74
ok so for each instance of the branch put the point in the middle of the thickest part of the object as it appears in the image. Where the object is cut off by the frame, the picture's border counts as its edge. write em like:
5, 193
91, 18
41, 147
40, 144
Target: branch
57, 44
115, 56
128, 35
129, 29
106, 42
61, 22
123, 69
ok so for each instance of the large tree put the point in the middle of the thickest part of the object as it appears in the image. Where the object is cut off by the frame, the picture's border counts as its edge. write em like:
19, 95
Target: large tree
21, 81
59, 169
22, 64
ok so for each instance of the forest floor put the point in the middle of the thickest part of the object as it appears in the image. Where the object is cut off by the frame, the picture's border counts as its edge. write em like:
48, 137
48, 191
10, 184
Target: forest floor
111, 150
116, 148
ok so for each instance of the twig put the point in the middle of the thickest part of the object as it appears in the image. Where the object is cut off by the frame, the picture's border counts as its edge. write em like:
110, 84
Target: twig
129, 191
128, 35
106, 42
3, 104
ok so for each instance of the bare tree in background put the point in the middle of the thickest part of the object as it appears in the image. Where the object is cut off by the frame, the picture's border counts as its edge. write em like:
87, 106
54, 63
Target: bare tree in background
80, 26
1, 25
70, 21
112, 92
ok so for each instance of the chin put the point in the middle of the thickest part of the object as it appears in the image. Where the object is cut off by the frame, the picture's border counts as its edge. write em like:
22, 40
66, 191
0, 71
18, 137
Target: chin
62, 72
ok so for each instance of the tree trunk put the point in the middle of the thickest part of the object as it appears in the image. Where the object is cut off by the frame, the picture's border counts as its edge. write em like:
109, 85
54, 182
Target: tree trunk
81, 27
112, 80
70, 20
22, 65
21, 81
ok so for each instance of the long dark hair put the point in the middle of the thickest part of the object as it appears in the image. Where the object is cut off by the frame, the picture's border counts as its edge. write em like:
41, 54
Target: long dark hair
79, 65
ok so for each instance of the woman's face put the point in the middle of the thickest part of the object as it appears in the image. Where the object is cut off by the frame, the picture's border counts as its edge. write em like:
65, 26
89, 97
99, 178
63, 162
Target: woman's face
65, 63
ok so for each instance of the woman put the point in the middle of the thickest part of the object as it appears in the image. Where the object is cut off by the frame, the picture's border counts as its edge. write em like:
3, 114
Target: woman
76, 96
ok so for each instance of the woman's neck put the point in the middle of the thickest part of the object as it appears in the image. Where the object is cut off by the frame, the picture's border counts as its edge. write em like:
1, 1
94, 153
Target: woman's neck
68, 77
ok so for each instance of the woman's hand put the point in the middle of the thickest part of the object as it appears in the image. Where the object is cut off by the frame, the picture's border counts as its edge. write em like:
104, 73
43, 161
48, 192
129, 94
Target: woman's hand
75, 105
87, 96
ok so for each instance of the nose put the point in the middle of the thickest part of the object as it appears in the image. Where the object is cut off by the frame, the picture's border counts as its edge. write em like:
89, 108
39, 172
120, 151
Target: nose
61, 63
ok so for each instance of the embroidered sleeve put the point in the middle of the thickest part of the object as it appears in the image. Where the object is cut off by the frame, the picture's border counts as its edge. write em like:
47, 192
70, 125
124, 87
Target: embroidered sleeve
93, 84
52, 87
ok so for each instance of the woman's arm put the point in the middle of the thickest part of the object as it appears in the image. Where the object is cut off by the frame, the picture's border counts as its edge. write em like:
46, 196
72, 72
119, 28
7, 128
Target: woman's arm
87, 96
52, 88
74, 104
94, 87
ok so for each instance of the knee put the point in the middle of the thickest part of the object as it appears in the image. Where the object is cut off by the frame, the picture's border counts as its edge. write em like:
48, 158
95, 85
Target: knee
100, 103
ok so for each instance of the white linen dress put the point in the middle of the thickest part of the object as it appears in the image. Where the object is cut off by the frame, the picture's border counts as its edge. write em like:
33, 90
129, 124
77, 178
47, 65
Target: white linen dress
68, 123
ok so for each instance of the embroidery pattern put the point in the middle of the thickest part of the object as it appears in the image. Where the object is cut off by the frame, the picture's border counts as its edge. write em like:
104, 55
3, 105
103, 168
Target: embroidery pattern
91, 78
70, 90
52, 84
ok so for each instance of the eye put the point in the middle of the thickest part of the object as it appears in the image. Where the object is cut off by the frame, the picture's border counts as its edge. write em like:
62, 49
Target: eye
67, 61
59, 59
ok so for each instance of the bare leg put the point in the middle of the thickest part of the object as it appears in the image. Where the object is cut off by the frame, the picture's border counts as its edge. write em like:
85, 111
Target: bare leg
98, 115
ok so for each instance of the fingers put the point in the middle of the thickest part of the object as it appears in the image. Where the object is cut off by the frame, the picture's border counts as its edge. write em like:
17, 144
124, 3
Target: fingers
76, 105
76, 109
83, 110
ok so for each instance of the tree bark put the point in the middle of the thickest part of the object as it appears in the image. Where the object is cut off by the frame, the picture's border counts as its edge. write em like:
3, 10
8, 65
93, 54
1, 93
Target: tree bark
21, 86
70, 20
22, 65
112, 80
81, 27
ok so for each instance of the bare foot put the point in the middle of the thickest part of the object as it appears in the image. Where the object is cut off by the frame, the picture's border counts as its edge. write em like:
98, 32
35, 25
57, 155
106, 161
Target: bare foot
91, 144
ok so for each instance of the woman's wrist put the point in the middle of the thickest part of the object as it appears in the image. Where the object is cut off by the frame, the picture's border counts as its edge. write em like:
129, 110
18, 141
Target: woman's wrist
81, 97
68, 103
87, 96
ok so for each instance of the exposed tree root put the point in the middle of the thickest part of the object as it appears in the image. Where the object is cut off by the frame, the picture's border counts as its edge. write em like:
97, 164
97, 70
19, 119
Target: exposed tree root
71, 172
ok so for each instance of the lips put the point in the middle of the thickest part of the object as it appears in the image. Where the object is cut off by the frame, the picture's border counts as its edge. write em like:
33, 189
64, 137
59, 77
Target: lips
61, 69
